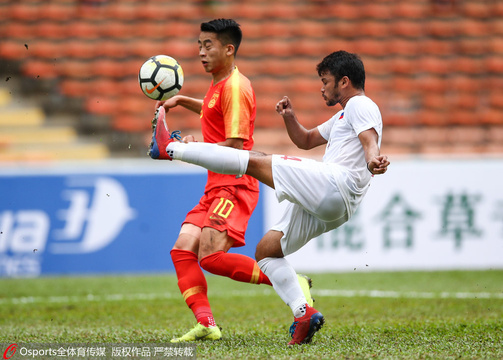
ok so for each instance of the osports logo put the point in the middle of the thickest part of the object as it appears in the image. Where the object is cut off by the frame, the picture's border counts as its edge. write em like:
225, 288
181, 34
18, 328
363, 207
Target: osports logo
10, 351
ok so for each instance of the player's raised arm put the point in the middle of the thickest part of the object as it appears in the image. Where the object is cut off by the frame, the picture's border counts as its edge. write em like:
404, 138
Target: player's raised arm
189, 103
303, 138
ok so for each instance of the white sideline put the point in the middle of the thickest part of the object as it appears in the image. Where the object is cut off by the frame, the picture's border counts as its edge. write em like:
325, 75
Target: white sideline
265, 292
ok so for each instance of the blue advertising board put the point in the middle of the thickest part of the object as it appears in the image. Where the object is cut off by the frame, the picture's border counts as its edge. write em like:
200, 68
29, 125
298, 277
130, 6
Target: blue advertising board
93, 222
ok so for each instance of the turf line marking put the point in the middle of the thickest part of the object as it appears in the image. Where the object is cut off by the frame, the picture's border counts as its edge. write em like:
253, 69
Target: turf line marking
265, 292
406, 294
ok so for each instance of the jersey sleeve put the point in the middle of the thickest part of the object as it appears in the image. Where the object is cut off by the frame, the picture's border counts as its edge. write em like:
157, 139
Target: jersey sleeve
362, 115
238, 106
326, 127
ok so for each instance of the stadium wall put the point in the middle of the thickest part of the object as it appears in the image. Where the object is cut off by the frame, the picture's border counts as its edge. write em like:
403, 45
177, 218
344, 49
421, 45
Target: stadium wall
124, 216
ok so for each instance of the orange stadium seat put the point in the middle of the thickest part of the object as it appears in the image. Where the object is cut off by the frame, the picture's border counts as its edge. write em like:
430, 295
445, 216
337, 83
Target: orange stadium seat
275, 10
57, 11
473, 27
45, 49
496, 99
434, 64
102, 105
117, 48
402, 84
123, 11
308, 47
472, 46
343, 10
469, 65
434, 101
376, 10
83, 29
414, 10
82, 49
494, 64
370, 47
309, 28
52, 30
465, 83
491, 117
441, 28
475, 9
276, 28
116, 29
40, 69
14, 50
75, 69
343, 29
408, 28
437, 46
74, 88
403, 47
432, 117
462, 117
24, 12
17, 30
374, 28
276, 47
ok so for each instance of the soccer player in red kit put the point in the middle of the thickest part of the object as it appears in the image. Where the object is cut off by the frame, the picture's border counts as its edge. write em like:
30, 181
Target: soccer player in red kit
220, 219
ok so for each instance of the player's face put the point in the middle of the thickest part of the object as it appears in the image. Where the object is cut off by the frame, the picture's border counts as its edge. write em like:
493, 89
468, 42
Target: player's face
211, 52
330, 89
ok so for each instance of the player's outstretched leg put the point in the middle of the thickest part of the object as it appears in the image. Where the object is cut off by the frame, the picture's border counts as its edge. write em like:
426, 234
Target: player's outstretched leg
200, 332
161, 136
304, 327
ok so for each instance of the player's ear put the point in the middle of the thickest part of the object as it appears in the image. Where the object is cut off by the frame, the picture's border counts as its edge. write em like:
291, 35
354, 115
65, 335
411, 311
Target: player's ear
344, 81
230, 50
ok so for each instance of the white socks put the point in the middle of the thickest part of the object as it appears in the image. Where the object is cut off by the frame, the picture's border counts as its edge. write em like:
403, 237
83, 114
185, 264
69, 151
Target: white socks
285, 282
216, 158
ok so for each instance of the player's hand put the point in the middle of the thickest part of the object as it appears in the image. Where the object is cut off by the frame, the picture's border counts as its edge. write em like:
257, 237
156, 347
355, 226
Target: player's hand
189, 138
284, 106
378, 165
167, 104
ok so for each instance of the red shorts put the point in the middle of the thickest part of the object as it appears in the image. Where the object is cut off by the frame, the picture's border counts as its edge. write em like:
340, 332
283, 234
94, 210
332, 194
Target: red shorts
225, 209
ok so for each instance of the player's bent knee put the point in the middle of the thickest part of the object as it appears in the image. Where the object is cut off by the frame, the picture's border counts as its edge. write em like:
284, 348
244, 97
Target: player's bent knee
269, 246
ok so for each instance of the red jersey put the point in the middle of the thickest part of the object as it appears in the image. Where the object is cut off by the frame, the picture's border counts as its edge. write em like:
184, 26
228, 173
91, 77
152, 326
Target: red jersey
229, 109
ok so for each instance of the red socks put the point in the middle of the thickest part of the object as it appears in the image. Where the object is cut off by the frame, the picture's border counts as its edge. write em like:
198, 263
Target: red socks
235, 266
192, 284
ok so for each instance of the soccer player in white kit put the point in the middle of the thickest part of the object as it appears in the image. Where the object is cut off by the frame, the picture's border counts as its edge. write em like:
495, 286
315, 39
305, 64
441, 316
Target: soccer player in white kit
322, 195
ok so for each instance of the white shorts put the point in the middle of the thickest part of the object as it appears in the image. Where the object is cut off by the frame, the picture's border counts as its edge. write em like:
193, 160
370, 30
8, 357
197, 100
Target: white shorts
316, 205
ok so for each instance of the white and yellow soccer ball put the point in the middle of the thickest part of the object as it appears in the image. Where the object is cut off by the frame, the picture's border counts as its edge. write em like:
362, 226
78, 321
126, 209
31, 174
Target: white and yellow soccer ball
160, 77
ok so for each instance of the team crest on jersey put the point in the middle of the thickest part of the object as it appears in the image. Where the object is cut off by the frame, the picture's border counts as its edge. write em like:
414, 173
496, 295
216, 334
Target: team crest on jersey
213, 100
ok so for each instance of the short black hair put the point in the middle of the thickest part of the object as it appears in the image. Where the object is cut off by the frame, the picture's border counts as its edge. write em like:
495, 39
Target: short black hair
227, 30
342, 63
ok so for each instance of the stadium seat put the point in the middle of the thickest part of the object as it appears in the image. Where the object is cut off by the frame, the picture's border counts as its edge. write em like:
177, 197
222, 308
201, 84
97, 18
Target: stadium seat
17, 30
82, 29
435, 65
57, 11
40, 69
413, 10
24, 12
408, 28
475, 9
440, 47
80, 49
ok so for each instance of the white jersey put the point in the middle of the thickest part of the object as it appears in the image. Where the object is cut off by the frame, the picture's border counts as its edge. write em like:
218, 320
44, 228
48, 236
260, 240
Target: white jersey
345, 150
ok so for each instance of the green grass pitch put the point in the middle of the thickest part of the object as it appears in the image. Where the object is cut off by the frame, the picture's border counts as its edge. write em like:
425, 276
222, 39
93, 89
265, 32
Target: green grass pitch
369, 315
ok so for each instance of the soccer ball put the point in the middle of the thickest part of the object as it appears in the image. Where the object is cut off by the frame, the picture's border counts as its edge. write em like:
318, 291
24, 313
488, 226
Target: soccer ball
160, 77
